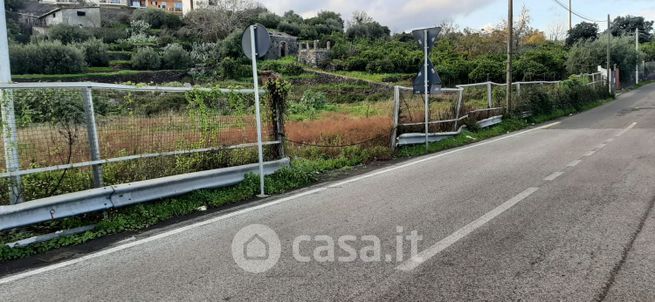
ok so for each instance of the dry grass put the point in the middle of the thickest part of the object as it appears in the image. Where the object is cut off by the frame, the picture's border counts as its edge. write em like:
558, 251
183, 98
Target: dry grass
339, 129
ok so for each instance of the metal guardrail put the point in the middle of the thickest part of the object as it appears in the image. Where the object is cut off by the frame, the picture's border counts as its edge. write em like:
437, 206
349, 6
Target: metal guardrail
494, 120
88, 201
419, 138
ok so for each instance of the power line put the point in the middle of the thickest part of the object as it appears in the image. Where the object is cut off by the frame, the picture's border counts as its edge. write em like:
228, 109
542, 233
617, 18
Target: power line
564, 6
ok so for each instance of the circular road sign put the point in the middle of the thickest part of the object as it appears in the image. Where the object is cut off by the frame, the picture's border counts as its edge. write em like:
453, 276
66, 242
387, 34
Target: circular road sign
262, 41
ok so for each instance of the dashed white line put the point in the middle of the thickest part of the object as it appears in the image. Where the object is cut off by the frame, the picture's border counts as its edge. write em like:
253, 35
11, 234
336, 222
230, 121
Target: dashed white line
553, 176
443, 244
574, 163
590, 153
609, 140
626, 129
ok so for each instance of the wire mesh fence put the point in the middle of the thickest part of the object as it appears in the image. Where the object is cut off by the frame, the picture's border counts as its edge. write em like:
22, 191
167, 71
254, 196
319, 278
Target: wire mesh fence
471, 104
139, 133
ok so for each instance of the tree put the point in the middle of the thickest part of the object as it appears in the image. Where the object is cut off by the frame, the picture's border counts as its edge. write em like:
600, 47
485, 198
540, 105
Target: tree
585, 56
626, 26
649, 51
68, 33
157, 18
582, 32
219, 20
362, 26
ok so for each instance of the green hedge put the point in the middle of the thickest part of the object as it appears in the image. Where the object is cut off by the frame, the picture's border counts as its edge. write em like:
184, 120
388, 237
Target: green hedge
46, 58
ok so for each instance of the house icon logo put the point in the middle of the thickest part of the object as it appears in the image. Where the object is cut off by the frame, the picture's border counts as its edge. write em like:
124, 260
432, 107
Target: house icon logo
256, 248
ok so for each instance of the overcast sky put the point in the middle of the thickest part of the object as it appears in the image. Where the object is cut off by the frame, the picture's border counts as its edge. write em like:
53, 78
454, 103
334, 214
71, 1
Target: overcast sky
402, 15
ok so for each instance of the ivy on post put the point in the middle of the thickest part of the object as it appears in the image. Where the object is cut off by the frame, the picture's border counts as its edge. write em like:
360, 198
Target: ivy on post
278, 90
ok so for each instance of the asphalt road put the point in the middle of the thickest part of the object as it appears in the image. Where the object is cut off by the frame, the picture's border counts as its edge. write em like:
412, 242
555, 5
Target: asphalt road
562, 212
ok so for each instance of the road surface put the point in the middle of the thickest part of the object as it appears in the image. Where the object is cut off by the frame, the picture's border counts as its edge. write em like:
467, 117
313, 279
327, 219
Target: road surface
559, 212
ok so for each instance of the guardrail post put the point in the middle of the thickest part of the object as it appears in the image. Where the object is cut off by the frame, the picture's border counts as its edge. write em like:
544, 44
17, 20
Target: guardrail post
396, 114
92, 133
489, 95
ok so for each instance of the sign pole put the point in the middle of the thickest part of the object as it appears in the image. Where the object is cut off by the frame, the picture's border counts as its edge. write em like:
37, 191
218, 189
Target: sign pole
427, 95
255, 77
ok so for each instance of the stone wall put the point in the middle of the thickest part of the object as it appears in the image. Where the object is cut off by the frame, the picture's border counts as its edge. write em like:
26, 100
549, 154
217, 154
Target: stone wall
313, 55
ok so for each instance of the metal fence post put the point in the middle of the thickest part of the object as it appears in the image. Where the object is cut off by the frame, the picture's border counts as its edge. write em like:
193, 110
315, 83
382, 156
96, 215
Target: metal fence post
518, 89
396, 114
9, 136
460, 97
279, 123
92, 133
10, 140
489, 95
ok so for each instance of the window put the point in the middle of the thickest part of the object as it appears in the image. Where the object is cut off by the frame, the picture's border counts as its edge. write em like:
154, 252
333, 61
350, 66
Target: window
179, 5
81, 13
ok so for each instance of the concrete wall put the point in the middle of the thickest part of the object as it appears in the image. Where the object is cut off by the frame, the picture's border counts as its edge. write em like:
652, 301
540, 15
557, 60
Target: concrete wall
71, 16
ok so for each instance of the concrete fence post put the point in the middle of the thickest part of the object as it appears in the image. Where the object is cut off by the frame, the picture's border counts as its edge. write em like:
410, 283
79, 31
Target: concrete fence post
490, 100
396, 115
92, 134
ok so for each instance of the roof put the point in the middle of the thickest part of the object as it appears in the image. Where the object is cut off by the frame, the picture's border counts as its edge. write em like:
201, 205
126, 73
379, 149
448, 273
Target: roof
275, 33
36, 8
40, 10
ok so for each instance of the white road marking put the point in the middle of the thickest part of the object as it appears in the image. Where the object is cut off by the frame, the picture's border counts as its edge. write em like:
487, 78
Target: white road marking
553, 176
601, 146
590, 153
574, 163
443, 244
609, 140
128, 245
626, 129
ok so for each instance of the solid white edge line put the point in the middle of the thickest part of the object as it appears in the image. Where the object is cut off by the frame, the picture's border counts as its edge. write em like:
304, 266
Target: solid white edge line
101, 253
443, 244
574, 163
553, 176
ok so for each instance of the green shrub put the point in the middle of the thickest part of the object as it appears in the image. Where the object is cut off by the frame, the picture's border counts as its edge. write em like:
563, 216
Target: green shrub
232, 69
175, 57
120, 64
283, 66
157, 18
146, 59
380, 66
46, 58
68, 33
95, 53
109, 35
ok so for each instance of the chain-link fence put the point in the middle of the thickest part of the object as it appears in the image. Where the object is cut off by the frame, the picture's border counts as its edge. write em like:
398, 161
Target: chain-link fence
75, 136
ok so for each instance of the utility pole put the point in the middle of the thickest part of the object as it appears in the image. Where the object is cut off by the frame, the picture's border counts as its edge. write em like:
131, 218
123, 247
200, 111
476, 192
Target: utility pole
510, 38
9, 135
570, 15
637, 47
609, 57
